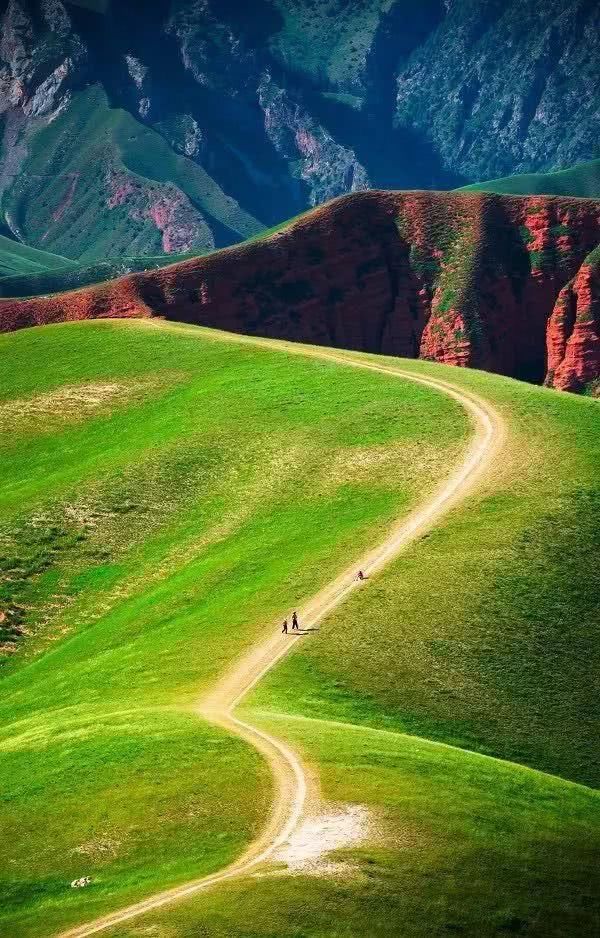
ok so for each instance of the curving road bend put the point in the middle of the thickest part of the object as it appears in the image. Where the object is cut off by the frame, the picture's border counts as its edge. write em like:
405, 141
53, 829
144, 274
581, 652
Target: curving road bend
218, 707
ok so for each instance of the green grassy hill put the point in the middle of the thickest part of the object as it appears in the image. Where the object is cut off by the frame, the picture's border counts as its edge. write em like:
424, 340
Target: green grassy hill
582, 180
484, 635
166, 493
74, 276
20, 260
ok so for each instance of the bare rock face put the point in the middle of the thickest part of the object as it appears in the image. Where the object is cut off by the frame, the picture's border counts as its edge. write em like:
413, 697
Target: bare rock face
574, 331
327, 168
474, 280
39, 58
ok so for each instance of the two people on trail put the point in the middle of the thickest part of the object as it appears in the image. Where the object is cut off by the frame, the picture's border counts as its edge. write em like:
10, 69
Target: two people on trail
295, 626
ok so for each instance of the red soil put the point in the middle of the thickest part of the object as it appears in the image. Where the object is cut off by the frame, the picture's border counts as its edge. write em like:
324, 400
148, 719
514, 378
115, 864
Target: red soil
471, 279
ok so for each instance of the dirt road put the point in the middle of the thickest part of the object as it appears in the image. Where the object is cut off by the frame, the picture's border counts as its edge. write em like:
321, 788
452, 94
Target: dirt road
218, 707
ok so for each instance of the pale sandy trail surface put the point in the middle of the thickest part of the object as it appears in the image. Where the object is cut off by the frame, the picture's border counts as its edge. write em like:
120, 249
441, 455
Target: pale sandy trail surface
291, 779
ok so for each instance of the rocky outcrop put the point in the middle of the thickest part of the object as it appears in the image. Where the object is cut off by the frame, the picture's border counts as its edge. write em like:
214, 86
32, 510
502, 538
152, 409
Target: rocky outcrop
327, 168
180, 224
506, 87
474, 280
574, 331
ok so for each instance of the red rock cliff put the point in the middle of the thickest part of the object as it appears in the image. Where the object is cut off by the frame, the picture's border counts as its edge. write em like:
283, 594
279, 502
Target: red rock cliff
470, 279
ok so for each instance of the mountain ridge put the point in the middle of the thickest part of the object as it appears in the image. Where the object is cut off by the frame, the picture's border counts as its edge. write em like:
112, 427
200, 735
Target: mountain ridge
200, 124
508, 284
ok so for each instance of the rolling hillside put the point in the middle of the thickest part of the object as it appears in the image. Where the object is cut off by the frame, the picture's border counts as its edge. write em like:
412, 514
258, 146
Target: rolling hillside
582, 181
73, 276
504, 283
166, 493
19, 260
187, 488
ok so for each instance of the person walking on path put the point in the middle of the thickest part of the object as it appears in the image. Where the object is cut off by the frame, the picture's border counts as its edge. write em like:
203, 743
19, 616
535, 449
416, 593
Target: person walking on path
295, 622
361, 575
284, 630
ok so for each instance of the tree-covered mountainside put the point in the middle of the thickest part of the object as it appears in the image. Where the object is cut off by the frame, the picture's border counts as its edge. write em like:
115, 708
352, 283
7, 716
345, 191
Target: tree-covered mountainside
183, 125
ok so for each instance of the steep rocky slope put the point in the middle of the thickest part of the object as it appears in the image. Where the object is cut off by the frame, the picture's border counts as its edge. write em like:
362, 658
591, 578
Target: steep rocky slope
477, 280
182, 125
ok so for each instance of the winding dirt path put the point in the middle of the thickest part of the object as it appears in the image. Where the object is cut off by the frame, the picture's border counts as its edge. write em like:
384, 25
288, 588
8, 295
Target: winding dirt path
289, 774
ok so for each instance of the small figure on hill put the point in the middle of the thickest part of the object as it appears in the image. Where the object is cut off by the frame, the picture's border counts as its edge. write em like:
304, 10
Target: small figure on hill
284, 630
295, 622
361, 575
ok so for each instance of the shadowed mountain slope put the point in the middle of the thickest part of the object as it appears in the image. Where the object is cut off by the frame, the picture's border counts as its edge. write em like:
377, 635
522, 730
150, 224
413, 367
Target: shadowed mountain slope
183, 125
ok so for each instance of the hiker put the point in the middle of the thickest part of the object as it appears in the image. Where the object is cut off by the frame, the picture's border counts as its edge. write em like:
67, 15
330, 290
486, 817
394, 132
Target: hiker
361, 575
284, 630
295, 622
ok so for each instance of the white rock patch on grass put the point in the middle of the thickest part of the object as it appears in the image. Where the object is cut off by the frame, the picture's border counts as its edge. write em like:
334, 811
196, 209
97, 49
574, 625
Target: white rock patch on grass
307, 849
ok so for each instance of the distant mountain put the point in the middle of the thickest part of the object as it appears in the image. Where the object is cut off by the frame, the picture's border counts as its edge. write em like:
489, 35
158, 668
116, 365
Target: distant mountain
509, 284
581, 181
136, 128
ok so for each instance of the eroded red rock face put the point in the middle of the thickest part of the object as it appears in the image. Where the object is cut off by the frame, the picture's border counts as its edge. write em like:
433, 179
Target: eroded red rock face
494, 282
574, 332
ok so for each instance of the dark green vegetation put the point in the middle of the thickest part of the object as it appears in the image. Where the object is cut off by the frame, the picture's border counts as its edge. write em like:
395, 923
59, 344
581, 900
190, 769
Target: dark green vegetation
19, 260
166, 493
230, 116
582, 180
25, 271
74, 276
486, 634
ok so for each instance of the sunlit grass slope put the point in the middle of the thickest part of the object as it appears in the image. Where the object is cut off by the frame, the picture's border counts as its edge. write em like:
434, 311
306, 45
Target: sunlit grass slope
486, 634
166, 494
483, 635
456, 844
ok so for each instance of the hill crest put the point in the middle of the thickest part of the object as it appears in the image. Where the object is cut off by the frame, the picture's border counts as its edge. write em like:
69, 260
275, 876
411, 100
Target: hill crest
507, 284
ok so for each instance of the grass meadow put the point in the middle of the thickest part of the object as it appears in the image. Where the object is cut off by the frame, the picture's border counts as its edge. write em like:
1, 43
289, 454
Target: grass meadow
457, 844
483, 635
166, 495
